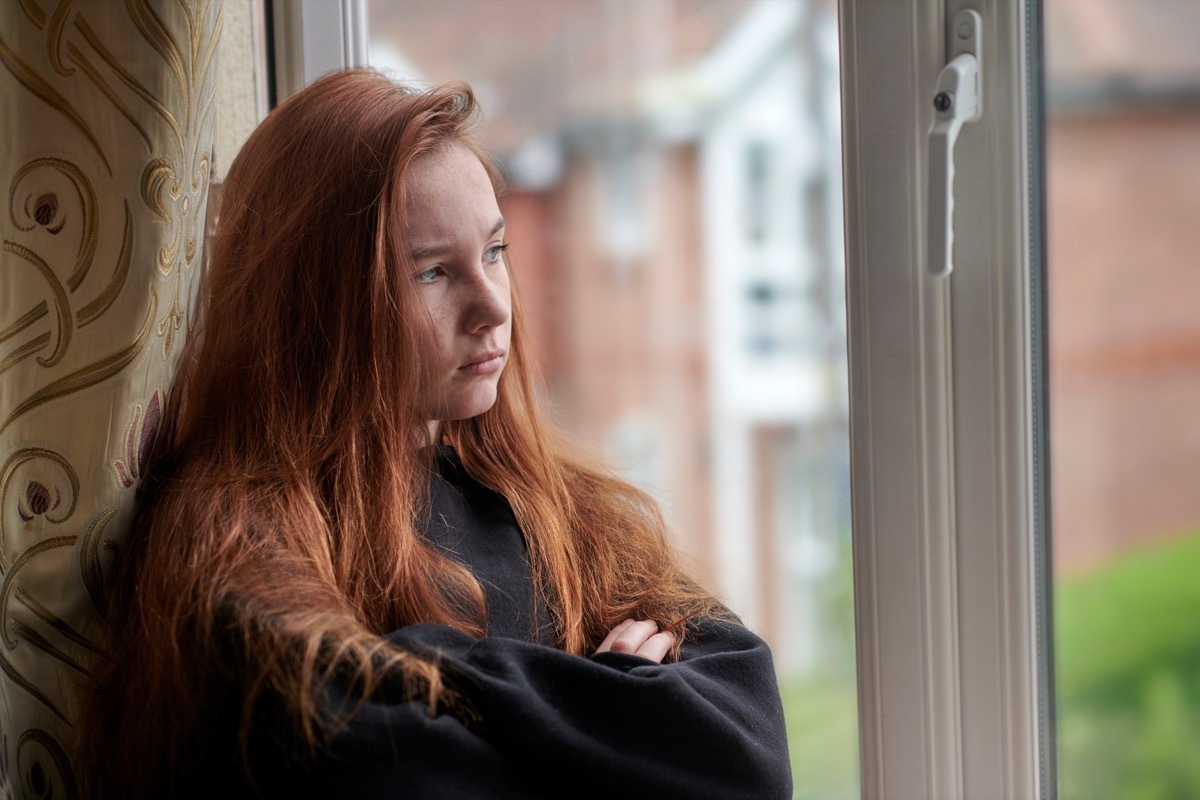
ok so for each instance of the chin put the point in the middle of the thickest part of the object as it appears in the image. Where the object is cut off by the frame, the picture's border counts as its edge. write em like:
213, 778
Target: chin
479, 402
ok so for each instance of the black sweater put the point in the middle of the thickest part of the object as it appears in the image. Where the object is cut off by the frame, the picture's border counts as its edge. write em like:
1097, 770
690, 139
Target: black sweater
548, 724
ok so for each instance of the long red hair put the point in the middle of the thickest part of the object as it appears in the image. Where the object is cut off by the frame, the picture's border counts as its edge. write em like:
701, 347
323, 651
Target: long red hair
284, 501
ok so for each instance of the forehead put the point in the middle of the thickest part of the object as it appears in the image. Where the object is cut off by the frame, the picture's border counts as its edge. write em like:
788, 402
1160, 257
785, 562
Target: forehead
448, 192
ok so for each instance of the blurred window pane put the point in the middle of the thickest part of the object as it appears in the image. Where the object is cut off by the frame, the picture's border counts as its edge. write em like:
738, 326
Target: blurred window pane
674, 215
1123, 167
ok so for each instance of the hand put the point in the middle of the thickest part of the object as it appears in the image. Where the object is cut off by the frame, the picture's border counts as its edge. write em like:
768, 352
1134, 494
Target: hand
639, 638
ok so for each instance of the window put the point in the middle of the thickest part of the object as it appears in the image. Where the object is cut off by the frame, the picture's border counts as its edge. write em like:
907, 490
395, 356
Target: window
965, 416
1122, 145
675, 266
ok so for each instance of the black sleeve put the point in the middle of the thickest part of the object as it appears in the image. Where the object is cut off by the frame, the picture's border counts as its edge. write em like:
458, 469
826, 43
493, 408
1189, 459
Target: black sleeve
549, 724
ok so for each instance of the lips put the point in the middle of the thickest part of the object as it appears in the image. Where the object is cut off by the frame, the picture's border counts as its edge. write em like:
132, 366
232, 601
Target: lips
490, 361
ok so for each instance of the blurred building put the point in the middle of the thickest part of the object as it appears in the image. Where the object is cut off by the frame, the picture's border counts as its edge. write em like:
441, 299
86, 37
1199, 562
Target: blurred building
1123, 171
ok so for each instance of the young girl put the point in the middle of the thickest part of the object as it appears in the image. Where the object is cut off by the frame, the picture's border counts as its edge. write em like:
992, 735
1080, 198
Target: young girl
365, 565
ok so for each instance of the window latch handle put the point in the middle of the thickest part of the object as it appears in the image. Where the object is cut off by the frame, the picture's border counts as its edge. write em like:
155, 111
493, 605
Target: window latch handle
956, 103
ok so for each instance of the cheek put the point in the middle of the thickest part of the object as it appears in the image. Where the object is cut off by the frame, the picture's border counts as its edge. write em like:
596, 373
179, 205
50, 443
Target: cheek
438, 322
430, 345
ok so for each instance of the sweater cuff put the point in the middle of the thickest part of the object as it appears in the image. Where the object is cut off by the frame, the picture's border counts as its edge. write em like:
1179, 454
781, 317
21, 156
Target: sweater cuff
623, 662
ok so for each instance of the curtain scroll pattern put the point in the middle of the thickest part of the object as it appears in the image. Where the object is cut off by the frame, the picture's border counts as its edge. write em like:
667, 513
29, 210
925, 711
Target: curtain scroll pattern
106, 145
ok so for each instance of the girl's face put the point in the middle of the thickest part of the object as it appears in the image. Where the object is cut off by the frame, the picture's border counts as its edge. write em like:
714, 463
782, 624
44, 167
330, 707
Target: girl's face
456, 240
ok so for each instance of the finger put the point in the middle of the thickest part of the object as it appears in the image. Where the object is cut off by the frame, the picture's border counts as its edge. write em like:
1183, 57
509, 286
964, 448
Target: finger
657, 646
607, 644
632, 638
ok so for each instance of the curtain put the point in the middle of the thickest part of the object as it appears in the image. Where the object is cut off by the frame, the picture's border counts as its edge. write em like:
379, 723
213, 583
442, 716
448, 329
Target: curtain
106, 145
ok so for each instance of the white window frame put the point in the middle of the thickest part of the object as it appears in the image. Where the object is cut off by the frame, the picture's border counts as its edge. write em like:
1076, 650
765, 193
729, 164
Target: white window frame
313, 37
954, 688
953, 685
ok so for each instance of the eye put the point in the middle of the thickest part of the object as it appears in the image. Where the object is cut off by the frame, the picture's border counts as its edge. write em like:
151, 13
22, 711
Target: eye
492, 254
429, 275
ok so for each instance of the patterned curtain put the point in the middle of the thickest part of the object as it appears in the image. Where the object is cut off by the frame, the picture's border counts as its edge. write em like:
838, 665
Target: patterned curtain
106, 144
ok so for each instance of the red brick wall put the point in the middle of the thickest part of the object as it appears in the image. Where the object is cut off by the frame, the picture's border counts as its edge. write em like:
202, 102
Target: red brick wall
1124, 295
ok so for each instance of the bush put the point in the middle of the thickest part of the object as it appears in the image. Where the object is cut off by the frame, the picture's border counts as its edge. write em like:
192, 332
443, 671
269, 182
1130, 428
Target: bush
1128, 664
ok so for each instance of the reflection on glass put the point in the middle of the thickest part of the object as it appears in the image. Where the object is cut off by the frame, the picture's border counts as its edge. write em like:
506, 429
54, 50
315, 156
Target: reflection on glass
1123, 171
674, 214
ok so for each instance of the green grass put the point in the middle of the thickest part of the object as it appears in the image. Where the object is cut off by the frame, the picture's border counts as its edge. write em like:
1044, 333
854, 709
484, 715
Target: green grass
1127, 642
1128, 664
822, 722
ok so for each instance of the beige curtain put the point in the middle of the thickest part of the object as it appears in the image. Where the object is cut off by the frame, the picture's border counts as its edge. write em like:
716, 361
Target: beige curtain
106, 145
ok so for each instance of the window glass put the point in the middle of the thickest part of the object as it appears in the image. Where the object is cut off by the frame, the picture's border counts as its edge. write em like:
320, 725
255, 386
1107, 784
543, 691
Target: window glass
1123, 167
674, 216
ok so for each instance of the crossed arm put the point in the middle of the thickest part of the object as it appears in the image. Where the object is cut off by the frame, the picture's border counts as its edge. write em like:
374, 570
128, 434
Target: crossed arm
547, 724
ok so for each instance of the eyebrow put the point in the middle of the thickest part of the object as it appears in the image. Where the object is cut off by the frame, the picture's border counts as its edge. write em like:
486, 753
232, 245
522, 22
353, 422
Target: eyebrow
422, 253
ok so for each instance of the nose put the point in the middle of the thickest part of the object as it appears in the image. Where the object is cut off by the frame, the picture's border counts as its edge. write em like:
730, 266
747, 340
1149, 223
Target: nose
490, 301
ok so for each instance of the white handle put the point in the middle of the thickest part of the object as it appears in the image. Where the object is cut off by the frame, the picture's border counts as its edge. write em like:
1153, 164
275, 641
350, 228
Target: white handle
956, 103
